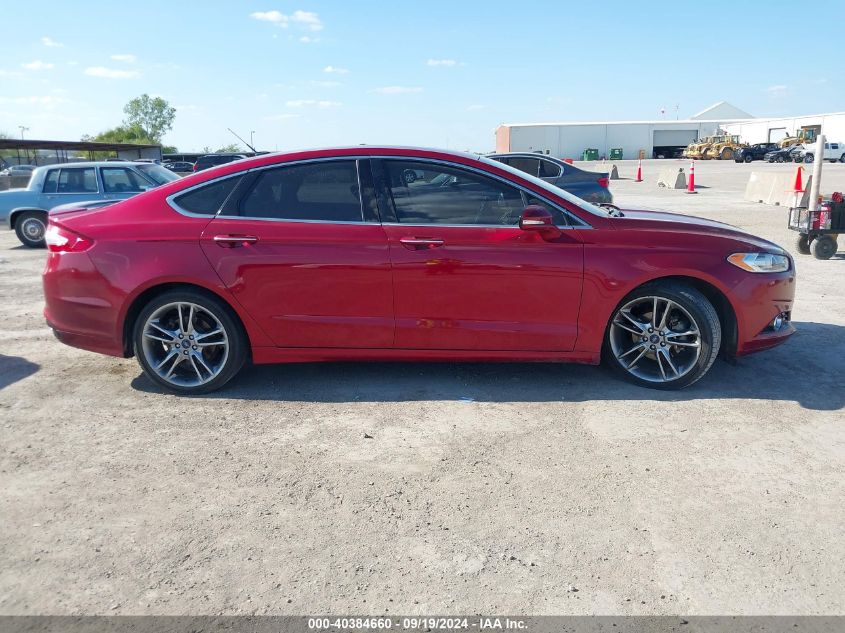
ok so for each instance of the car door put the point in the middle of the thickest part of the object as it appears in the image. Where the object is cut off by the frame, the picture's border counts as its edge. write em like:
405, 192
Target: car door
300, 247
465, 276
69, 184
120, 183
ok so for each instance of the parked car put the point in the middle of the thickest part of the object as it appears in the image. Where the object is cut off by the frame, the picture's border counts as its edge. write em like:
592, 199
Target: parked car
182, 166
17, 170
783, 155
587, 185
333, 255
213, 160
754, 152
25, 210
833, 152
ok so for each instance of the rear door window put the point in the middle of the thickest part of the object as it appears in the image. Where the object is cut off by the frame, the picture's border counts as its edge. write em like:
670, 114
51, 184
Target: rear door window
77, 181
325, 191
528, 165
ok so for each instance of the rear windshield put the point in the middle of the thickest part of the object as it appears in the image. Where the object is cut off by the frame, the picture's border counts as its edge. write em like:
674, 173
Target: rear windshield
157, 173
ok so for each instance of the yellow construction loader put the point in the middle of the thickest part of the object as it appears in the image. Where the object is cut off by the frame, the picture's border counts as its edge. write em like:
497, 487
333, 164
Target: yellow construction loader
724, 149
696, 150
806, 135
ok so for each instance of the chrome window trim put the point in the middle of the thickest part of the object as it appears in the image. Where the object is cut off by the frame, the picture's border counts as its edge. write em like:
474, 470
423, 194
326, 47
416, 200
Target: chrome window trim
578, 222
581, 224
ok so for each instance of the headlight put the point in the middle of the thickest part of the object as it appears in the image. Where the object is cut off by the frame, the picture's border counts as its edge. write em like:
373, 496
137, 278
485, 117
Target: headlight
760, 262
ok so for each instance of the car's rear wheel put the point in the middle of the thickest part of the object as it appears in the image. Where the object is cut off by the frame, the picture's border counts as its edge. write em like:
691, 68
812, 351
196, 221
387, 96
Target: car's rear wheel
189, 342
824, 247
30, 228
780, 159
663, 336
808, 158
748, 158
842, 158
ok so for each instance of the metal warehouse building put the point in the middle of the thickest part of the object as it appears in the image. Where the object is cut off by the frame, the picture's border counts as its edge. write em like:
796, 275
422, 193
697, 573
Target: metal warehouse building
772, 130
661, 137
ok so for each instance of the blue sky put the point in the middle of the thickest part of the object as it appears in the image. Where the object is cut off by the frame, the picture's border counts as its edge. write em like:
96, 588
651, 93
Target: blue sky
315, 73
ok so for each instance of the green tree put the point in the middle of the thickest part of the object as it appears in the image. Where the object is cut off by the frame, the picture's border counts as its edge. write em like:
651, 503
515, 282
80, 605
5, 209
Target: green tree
231, 148
153, 115
122, 134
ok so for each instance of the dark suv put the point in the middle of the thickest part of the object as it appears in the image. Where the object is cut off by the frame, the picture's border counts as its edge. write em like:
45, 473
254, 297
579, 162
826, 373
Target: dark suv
754, 152
212, 160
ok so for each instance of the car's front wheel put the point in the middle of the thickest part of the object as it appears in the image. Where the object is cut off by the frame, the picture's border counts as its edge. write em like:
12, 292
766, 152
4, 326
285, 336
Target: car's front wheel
664, 336
808, 158
30, 228
189, 342
748, 158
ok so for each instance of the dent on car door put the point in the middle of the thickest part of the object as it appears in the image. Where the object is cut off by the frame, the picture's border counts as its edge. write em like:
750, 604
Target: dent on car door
466, 277
299, 246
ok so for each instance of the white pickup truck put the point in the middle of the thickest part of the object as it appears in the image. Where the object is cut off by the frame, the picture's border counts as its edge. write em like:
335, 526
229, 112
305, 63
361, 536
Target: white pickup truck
832, 152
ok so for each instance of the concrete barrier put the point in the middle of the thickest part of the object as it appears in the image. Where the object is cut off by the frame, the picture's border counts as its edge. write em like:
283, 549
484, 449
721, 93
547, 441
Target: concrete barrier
606, 168
672, 178
776, 189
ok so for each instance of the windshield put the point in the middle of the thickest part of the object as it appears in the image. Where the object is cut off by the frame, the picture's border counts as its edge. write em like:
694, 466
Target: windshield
560, 193
158, 174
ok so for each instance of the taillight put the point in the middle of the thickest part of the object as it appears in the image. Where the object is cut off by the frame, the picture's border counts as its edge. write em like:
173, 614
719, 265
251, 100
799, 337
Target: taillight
62, 240
604, 182
196, 166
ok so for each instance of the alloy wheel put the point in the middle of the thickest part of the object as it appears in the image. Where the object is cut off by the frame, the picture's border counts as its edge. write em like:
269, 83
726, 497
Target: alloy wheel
185, 344
655, 339
33, 229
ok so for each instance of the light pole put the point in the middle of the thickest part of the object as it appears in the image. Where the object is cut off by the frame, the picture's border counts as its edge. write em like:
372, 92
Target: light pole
23, 129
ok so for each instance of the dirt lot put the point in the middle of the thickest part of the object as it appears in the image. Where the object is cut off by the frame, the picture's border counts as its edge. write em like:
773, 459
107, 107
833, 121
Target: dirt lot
431, 488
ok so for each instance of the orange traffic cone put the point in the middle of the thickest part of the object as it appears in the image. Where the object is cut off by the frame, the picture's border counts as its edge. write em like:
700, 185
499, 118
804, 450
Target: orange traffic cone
691, 181
639, 171
798, 187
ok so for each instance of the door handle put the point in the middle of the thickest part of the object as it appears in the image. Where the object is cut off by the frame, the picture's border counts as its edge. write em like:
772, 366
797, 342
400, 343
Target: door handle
420, 243
234, 241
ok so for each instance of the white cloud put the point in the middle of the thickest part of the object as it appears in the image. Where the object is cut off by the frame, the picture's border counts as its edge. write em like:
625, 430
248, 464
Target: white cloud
128, 58
303, 19
10, 73
305, 39
275, 17
475, 107
312, 103
441, 62
335, 70
397, 90
308, 20
778, 90
110, 73
51, 43
37, 65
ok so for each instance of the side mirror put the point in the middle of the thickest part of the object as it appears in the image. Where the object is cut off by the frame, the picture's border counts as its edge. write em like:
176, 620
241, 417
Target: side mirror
537, 218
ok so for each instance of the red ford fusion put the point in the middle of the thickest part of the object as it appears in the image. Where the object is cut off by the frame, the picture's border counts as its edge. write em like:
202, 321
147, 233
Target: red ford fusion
384, 253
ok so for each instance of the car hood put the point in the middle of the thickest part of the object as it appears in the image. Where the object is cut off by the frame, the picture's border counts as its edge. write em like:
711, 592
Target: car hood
676, 223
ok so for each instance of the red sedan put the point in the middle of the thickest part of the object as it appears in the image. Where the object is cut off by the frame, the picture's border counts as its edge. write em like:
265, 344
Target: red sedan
381, 253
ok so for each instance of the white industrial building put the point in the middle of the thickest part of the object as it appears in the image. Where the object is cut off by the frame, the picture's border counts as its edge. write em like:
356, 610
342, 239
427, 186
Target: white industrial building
656, 138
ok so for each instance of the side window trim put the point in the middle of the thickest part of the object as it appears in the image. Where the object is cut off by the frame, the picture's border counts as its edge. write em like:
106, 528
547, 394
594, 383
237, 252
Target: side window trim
389, 213
171, 199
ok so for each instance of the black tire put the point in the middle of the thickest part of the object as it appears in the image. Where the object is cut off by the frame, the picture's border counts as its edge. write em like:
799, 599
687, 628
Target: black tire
842, 158
698, 307
808, 158
823, 247
30, 227
235, 335
802, 244
748, 158
780, 159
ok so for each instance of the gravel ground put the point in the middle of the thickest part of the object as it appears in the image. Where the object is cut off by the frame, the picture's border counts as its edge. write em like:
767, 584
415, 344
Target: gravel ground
431, 488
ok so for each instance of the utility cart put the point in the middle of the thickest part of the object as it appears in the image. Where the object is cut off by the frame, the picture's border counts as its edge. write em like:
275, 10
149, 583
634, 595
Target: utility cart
818, 230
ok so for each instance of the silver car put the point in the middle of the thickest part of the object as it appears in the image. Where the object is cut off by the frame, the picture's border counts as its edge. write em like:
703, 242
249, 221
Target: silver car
25, 210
